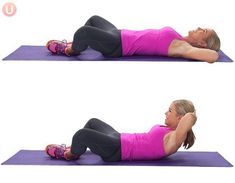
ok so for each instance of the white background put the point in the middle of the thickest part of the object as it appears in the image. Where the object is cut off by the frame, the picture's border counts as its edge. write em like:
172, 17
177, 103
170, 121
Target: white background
46, 102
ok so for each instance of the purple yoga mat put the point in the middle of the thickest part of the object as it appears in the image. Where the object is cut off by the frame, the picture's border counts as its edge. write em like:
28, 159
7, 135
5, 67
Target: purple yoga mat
41, 53
181, 158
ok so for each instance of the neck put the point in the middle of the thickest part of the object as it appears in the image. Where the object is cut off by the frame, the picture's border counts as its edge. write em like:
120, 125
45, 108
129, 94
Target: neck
187, 39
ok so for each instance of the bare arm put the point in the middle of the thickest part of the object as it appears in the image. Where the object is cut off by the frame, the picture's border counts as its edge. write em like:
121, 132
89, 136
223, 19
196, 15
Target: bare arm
185, 50
185, 124
178, 136
203, 54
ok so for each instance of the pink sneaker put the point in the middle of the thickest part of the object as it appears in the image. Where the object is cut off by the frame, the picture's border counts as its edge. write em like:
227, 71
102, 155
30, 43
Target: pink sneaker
56, 151
58, 47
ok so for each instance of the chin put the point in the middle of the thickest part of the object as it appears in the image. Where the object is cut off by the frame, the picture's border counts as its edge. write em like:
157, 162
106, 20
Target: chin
190, 33
166, 123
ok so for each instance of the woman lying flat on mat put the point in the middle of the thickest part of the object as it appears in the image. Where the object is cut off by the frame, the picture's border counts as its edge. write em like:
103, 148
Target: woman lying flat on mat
103, 36
110, 145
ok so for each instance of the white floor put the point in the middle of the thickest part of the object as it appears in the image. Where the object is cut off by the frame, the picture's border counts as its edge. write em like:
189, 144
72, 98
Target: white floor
46, 102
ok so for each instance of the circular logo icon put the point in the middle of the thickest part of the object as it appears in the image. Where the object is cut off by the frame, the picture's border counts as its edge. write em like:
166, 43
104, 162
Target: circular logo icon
9, 9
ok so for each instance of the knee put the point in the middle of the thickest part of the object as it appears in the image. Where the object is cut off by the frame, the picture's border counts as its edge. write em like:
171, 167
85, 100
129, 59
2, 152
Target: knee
80, 134
94, 17
81, 31
91, 122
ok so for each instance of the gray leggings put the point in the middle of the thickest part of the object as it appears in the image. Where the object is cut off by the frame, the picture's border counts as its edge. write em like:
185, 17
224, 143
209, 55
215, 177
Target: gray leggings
100, 138
100, 35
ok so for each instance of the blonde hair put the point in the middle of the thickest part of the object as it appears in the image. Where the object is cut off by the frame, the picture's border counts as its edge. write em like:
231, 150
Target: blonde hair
213, 41
182, 107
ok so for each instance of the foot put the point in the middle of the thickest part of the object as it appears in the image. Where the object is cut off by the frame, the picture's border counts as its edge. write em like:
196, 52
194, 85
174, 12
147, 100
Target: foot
56, 151
59, 47
60, 152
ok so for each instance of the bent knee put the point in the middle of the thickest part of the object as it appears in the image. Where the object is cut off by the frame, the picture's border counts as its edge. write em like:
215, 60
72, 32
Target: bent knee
92, 121
94, 17
80, 134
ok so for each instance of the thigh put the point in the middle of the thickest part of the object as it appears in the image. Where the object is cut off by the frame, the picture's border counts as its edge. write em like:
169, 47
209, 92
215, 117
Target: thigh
103, 41
99, 143
88, 137
100, 126
98, 39
101, 23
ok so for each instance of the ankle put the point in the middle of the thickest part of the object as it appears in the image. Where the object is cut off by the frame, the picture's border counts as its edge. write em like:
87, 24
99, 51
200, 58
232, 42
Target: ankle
70, 156
68, 51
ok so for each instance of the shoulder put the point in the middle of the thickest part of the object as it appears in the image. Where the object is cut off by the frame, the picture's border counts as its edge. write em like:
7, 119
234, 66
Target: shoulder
180, 48
168, 28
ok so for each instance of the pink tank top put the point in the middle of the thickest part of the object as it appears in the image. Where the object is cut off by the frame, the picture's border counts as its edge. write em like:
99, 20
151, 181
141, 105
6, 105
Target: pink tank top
148, 42
144, 146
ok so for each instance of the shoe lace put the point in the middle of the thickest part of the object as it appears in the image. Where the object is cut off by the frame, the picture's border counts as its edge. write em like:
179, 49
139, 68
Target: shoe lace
60, 48
59, 152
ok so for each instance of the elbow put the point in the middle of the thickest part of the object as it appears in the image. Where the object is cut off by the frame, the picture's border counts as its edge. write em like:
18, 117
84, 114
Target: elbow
213, 58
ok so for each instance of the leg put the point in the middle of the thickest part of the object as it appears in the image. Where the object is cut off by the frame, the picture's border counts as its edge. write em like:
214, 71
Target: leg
104, 41
101, 23
108, 44
106, 146
98, 33
100, 126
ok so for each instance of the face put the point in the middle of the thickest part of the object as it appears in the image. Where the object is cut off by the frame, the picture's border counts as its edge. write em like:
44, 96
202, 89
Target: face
172, 118
199, 36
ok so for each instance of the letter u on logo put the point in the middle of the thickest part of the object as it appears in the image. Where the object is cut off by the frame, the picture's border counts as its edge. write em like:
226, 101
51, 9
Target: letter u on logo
9, 9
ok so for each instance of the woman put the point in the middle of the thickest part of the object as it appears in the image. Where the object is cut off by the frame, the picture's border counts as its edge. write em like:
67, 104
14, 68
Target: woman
103, 36
159, 142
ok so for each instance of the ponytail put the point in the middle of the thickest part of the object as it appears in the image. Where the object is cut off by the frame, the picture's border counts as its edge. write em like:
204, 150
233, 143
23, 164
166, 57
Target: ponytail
189, 141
